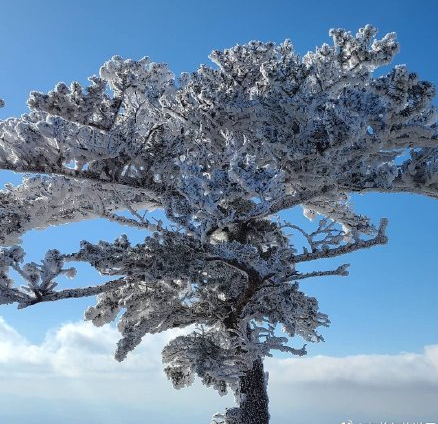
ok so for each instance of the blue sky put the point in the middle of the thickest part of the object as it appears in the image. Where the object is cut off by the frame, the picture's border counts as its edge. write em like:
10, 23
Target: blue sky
384, 311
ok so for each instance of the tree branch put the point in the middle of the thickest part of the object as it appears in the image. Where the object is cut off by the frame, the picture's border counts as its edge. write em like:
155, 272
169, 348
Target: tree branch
152, 191
347, 248
76, 293
341, 270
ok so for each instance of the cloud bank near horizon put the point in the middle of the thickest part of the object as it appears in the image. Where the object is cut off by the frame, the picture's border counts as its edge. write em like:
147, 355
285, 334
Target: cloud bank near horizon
72, 376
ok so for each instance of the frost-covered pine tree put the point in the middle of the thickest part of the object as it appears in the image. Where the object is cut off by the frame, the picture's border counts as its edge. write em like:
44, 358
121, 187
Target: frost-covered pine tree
221, 151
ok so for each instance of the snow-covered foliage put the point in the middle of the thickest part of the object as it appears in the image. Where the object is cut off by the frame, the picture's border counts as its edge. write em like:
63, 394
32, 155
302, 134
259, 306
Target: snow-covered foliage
220, 150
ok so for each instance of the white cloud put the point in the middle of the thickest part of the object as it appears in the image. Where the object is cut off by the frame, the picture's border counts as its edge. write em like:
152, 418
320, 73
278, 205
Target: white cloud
73, 373
376, 370
73, 377
77, 349
361, 388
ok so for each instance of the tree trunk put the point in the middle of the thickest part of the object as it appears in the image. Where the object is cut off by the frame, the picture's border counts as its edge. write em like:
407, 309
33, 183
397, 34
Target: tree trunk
253, 407
254, 403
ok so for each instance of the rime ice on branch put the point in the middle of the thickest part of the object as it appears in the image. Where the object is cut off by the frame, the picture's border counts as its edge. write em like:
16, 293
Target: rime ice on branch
220, 150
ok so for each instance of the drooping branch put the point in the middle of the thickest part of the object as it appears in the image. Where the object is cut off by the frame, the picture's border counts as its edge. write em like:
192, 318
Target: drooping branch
43, 201
149, 187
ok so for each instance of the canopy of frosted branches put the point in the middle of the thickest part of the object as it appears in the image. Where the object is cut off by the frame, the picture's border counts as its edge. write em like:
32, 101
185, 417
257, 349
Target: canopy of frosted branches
220, 150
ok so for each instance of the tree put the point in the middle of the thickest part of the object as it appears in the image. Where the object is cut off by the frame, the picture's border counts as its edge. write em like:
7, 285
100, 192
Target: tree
221, 150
